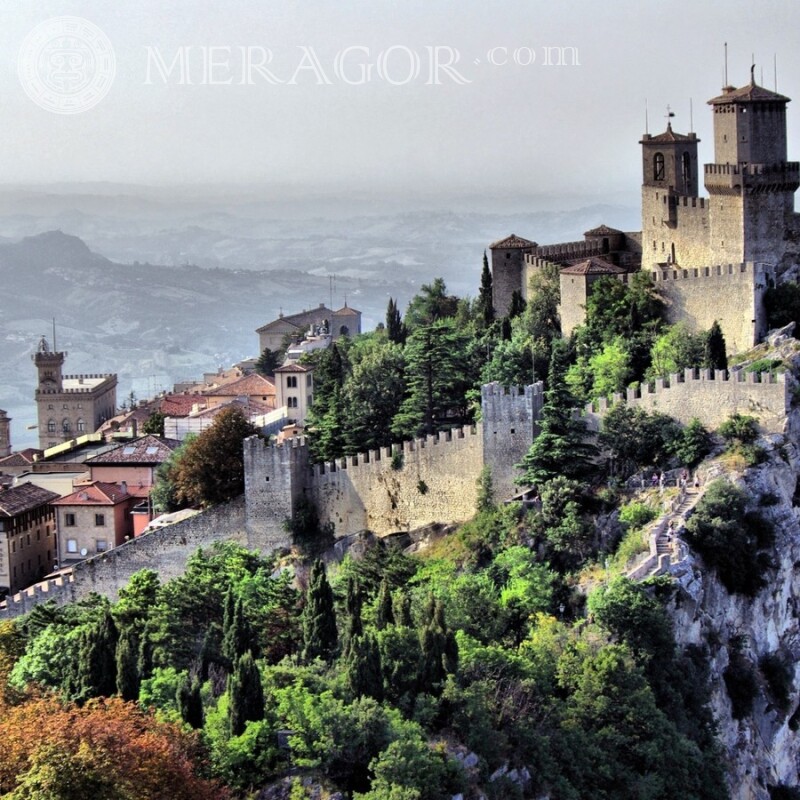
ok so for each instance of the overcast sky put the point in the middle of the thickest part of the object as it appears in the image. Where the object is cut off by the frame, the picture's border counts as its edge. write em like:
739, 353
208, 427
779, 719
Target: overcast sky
502, 127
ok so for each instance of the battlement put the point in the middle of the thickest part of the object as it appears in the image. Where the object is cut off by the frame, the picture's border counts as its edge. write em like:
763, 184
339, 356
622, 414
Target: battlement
539, 262
708, 395
749, 269
730, 178
686, 201
565, 251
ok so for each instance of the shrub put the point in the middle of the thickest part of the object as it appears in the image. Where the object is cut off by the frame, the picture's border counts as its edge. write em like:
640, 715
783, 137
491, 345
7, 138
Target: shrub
740, 429
693, 444
397, 460
778, 676
741, 685
636, 515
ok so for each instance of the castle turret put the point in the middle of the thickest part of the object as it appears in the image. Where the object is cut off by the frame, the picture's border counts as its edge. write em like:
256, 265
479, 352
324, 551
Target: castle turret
508, 269
5, 434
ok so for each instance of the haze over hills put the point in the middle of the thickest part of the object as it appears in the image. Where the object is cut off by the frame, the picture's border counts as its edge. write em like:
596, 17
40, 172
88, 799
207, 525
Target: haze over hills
157, 290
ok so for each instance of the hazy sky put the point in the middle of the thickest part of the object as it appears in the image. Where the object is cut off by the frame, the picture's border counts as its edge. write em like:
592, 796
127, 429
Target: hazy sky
502, 127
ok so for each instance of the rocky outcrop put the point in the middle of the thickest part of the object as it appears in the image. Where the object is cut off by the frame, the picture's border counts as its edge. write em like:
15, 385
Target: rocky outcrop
762, 749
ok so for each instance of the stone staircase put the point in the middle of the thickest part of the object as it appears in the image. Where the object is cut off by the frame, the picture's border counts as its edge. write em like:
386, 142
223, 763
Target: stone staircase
664, 552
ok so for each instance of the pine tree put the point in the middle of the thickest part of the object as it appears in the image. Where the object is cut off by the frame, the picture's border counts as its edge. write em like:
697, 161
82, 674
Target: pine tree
319, 617
485, 306
562, 446
383, 610
246, 694
126, 666
716, 356
190, 703
395, 330
96, 669
144, 663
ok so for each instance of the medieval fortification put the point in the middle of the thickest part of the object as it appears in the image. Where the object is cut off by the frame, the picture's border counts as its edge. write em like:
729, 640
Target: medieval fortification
711, 257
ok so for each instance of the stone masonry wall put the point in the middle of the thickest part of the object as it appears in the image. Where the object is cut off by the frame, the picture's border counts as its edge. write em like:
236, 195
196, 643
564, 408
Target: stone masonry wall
732, 294
711, 396
435, 481
165, 551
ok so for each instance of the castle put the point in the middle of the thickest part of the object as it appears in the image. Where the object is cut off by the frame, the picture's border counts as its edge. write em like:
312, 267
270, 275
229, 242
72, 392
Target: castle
711, 258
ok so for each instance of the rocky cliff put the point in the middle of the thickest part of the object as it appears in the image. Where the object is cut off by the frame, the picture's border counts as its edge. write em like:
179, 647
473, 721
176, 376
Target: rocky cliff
758, 637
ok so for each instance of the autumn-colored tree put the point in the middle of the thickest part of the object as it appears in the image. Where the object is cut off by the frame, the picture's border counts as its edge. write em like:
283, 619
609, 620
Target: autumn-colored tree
211, 469
106, 750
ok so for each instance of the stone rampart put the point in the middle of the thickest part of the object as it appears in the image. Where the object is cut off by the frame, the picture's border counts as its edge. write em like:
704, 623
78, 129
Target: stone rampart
731, 294
708, 395
164, 550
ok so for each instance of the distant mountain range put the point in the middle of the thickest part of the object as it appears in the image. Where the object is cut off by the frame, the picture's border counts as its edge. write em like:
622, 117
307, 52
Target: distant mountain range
180, 290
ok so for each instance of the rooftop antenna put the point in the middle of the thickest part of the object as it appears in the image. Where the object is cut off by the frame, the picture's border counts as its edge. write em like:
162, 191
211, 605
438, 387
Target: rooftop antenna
726, 63
55, 349
691, 116
669, 115
752, 68
646, 125
762, 75
775, 69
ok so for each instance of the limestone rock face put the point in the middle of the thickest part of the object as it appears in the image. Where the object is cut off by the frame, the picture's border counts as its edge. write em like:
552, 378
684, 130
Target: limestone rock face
762, 750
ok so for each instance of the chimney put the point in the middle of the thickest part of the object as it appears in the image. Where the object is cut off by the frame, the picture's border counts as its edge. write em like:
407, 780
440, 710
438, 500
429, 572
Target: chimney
123, 486
134, 427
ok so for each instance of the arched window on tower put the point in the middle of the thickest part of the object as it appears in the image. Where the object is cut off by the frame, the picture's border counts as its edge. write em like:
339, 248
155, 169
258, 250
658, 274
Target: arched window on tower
686, 168
658, 167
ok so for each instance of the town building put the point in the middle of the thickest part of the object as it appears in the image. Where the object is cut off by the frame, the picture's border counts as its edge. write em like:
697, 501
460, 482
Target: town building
69, 405
321, 320
294, 383
28, 547
93, 519
711, 258
5, 434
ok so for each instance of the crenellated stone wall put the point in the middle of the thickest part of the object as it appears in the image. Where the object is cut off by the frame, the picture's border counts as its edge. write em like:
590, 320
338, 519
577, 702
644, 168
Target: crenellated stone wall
708, 395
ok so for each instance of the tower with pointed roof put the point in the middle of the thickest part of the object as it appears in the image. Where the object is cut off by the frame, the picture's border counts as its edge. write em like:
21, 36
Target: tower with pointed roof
508, 270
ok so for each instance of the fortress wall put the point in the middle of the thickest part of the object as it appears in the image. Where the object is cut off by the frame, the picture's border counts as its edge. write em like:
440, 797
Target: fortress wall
509, 426
710, 396
533, 264
675, 220
436, 482
165, 551
732, 294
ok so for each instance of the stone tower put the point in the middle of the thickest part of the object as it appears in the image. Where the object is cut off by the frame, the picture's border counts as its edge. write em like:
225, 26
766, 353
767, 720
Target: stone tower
5, 434
751, 184
669, 173
508, 270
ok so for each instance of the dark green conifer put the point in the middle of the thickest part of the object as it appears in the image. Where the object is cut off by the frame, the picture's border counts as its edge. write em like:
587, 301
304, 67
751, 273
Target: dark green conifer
238, 637
127, 667
246, 695
190, 703
517, 305
402, 609
364, 674
384, 614
485, 306
319, 617
716, 356
353, 624
395, 330
97, 666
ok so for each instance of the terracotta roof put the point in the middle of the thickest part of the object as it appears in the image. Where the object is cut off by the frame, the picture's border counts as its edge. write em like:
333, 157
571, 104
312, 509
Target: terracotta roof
179, 405
593, 266
512, 242
24, 497
346, 311
250, 385
248, 406
669, 136
603, 230
146, 450
292, 368
23, 458
751, 93
94, 494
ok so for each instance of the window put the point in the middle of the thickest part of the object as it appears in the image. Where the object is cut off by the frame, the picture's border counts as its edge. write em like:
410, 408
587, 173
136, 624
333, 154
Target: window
65, 425
65, 405
69, 520
80, 425
101, 545
51, 426
291, 402
99, 520
686, 167
72, 545
658, 167
291, 382
308, 380
50, 406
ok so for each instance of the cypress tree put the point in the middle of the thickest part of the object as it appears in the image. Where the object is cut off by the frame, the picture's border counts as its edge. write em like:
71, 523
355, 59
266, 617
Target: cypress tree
127, 667
395, 330
246, 695
364, 673
189, 702
402, 609
319, 617
238, 636
211, 650
144, 664
383, 611
438, 650
353, 604
485, 306
97, 667
517, 305
716, 356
